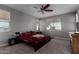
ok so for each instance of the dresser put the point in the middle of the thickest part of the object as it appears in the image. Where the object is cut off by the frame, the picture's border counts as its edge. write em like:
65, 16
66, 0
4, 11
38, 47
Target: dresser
75, 43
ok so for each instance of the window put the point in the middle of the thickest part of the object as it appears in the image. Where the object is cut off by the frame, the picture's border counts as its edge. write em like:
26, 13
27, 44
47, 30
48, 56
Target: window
4, 25
54, 26
4, 20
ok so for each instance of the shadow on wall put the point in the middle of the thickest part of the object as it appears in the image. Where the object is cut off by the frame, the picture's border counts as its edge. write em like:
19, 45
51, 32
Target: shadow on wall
77, 26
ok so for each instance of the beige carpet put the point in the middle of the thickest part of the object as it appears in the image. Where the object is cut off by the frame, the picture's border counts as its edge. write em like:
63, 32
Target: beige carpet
55, 46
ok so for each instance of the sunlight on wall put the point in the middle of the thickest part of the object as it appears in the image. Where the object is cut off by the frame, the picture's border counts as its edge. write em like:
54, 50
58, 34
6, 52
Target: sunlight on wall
54, 26
37, 27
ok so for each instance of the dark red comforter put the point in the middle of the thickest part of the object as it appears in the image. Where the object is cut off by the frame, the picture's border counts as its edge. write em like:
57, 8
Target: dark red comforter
27, 37
34, 41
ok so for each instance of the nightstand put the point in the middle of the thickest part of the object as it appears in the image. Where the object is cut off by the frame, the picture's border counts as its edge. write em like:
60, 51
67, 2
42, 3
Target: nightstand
11, 41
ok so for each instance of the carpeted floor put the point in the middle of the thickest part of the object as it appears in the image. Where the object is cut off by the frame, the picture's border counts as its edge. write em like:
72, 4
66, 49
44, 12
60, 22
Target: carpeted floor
55, 46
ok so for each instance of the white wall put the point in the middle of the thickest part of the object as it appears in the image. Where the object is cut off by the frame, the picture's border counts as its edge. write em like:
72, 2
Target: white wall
19, 22
67, 25
15, 15
27, 23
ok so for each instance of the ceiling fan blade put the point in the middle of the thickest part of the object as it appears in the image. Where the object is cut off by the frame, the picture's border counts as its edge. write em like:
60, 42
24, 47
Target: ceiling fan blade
49, 10
45, 7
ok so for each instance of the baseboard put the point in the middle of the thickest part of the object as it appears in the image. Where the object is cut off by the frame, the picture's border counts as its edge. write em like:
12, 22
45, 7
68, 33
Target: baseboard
5, 44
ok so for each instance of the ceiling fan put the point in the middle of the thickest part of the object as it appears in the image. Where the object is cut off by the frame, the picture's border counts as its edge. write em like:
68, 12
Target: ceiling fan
44, 8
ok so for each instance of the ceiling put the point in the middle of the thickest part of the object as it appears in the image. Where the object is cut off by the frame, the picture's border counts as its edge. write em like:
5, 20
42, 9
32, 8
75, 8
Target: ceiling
58, 9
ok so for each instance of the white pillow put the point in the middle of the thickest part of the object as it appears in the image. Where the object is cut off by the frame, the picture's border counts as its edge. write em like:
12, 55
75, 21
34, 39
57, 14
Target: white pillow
38, 35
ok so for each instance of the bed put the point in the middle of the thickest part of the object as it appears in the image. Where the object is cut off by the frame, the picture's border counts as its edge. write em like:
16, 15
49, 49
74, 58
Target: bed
34, 39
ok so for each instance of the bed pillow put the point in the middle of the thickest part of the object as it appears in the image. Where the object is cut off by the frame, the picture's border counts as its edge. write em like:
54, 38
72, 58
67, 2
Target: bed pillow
38, 35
